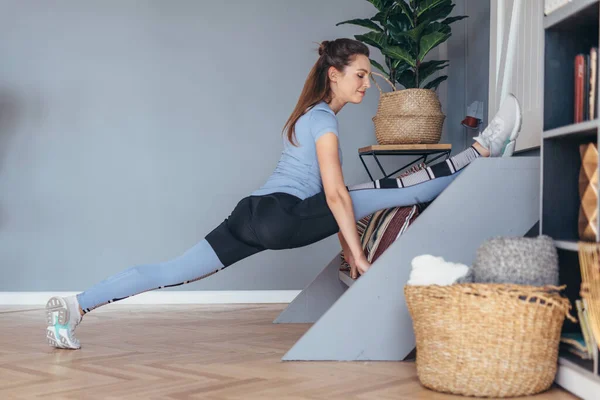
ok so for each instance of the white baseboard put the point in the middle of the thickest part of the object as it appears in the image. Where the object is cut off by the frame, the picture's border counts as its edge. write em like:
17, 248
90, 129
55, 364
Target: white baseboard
167, 297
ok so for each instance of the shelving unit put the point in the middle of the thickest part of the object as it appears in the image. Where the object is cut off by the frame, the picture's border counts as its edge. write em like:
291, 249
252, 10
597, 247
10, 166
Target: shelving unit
566, 245
581, 128
572, 29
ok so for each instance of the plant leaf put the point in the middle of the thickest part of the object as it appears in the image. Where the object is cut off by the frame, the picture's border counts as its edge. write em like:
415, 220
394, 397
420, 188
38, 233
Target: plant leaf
436, 27
398, 25
375, 39
428, 68
398, 53
430, 41
379, 17
407, 79
379, 4
433, 85
403, 39
424, 6
438, 10
416, 33
406, 11
400, 66
450, 20
366, 23
379, 67
395, 19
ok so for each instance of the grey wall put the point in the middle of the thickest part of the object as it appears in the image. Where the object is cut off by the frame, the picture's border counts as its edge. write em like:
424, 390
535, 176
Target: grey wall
468, 74
129, 129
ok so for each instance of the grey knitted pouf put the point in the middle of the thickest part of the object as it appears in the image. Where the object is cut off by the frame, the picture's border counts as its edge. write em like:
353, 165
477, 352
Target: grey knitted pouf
518, 260
468, 278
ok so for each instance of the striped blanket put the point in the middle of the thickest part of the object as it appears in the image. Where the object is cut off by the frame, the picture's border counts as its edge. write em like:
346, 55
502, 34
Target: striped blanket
380, 229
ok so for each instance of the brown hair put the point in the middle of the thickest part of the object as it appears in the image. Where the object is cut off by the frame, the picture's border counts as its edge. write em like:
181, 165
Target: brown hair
338, 53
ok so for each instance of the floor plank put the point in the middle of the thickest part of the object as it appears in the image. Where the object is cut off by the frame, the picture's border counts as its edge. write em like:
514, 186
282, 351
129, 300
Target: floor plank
189, 352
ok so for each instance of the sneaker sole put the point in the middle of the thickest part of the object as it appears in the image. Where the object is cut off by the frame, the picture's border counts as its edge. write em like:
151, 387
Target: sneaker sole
57, 312
510, 146
51, 338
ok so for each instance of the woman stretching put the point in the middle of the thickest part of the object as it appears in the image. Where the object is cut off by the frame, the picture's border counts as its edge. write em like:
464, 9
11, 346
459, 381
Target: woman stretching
305, 199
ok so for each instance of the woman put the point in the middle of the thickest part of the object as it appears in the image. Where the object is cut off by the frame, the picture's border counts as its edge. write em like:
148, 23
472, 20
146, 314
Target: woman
303, 201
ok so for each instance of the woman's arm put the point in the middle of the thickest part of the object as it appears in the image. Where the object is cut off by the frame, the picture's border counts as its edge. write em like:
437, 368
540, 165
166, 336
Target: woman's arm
348, 256
345, 248
338, 198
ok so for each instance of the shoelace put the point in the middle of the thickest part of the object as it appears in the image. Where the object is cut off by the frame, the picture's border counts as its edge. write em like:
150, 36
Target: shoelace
496, 127
492, 131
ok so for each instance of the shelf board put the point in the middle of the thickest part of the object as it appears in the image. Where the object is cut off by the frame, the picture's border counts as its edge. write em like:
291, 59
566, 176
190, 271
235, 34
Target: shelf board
375, 147
404, 149
566, 245
568, 11
586, 127
577, 379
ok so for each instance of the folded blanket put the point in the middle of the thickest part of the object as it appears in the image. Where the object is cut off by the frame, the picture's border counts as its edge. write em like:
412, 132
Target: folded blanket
431, 270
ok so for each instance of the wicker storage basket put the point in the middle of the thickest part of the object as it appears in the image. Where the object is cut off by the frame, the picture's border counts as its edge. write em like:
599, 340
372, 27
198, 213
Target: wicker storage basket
409, 116
487, 340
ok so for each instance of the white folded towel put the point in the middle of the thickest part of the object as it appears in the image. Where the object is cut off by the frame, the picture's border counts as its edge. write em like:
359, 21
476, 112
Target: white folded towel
431, 270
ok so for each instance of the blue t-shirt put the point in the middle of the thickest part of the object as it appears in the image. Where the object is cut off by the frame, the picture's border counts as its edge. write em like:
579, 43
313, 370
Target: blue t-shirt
297, 172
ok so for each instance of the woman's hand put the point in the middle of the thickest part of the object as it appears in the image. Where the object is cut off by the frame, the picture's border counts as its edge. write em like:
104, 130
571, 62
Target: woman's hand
351, 260
360, 265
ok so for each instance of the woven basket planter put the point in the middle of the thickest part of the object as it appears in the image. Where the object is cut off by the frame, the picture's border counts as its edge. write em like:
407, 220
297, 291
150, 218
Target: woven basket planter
407, 129
487, 340
409, 116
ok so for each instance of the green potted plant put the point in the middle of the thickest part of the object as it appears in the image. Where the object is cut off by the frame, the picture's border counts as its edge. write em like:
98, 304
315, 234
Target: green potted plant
405, 31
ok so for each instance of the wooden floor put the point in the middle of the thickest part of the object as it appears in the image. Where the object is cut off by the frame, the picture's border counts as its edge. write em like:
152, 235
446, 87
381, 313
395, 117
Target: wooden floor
188, 352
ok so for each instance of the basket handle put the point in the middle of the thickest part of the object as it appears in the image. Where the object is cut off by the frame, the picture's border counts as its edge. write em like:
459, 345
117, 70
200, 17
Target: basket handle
386, 79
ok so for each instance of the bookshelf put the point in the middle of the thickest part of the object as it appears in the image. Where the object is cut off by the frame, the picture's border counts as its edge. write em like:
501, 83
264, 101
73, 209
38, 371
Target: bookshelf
568, 31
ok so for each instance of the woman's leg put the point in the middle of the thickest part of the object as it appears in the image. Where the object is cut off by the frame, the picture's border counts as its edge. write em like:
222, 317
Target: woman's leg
196, 263
419, 187
218, 250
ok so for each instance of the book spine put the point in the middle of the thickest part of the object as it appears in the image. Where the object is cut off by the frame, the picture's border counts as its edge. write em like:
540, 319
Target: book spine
593, 82
579, 85
586, 88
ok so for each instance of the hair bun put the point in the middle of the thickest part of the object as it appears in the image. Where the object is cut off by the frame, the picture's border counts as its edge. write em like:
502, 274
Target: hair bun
323, 47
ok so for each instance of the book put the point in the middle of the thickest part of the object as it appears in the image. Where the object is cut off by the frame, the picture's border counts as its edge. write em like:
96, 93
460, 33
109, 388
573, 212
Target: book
585, 91
593, 82
579, 88
585, 328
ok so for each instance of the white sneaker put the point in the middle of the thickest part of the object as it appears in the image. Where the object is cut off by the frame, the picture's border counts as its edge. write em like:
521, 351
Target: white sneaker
62, 317
500, 135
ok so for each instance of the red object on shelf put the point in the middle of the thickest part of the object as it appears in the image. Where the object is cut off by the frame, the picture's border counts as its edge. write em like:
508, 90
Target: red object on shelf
471, 122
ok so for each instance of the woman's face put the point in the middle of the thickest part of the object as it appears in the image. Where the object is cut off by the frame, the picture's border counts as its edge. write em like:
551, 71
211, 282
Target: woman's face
350, 85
